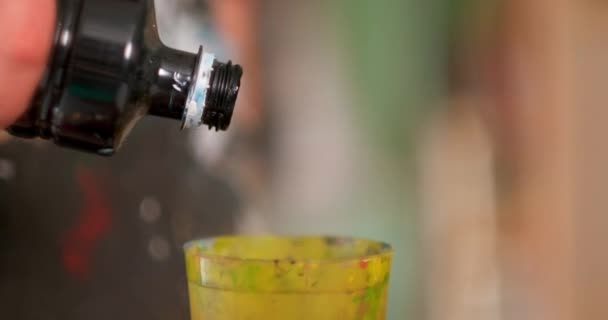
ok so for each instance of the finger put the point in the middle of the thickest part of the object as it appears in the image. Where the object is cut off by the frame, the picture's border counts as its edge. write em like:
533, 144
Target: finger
26, 28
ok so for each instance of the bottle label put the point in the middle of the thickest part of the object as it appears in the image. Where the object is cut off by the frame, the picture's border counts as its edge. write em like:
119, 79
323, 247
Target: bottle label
195, 104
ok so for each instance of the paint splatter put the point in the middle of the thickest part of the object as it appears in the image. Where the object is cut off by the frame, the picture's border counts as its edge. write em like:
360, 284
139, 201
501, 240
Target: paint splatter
362, 264
91, 226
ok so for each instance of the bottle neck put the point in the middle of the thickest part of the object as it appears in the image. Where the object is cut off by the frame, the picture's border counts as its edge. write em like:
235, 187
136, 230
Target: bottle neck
196, 89
170, 76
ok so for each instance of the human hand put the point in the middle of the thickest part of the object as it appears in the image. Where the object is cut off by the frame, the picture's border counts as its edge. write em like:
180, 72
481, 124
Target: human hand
26, 29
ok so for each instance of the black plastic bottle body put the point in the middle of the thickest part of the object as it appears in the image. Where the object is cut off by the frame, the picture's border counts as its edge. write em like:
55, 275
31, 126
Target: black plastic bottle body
108, 69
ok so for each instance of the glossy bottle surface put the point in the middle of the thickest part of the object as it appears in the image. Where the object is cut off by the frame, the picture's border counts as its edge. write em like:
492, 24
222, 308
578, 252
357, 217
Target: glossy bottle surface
108, 69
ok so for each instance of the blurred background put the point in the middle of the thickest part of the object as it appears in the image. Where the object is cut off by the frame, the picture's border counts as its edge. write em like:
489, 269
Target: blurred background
467, 133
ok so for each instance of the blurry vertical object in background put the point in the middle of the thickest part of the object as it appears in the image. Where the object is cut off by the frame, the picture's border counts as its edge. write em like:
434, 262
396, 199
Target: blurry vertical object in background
555, 216
459, 215
543, 200
517, 69
540, 79
591, 152
457, 177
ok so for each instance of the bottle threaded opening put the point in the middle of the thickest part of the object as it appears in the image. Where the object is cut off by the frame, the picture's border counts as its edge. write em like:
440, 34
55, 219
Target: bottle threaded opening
222, 93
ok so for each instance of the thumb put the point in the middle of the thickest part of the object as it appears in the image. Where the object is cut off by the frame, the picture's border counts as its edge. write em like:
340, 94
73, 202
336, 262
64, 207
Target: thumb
26, 29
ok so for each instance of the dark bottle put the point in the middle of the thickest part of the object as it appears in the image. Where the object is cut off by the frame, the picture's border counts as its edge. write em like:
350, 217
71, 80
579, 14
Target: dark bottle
108, 69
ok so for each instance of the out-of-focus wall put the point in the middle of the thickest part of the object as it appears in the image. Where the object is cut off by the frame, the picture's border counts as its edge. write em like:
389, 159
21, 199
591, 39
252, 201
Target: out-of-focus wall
537, 106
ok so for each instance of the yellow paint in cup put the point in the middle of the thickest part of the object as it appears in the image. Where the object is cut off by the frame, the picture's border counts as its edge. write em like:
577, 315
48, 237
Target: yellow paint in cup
287, 278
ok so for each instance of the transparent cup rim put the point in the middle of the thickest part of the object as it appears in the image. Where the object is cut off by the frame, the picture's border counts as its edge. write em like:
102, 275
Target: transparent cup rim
386, 249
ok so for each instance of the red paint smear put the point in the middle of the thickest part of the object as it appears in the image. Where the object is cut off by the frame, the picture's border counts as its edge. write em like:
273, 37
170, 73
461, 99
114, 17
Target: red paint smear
362, 264
92, 224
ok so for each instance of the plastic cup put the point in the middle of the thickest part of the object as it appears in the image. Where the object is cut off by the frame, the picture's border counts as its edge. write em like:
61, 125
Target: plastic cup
287, 278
